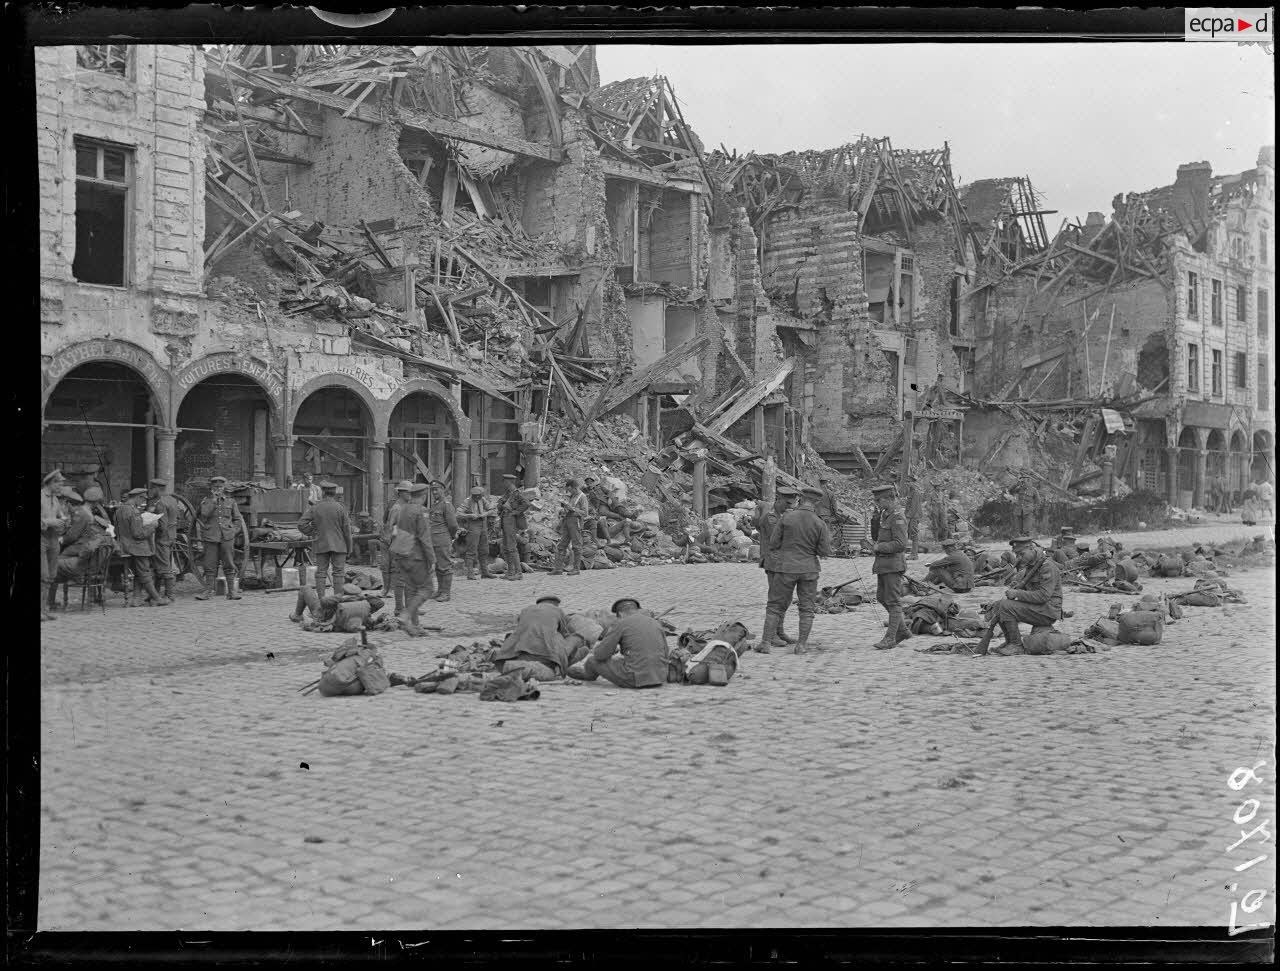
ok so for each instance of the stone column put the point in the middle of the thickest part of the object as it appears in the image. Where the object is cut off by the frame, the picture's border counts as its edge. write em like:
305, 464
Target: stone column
1171, 484
461, 474
283, 445
1197, 498
531, 453
165, 438
377, 475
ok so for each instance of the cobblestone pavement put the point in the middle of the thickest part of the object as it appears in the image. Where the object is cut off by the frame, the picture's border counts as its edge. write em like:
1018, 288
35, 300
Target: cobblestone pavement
847, 788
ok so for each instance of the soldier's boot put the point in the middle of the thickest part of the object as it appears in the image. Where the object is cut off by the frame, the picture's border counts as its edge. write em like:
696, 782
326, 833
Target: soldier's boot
469, 565
557, 564
768, 636
409, 615
1012, 640
444, 593
233, 588
44, 614
485, 572
780, 637
398, 592
51, 599
904, 629
210, 581
153, 596
802, 642
575, 558
167, 586
512, 559
890, 639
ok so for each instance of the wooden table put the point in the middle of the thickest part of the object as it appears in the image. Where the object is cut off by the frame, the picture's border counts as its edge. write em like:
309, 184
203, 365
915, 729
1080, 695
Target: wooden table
282, 553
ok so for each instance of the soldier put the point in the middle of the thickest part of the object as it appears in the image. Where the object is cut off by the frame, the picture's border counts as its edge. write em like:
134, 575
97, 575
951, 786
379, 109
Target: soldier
329, 527
511, 509
390, 581
444, 527
1033, 597
954, 571
890, 564
53, 523
766, 521
220, 521
825, 505
572, 511
640, 644
798, 540
137, 543
1064, 548
475, 515
913, 506
313, 491
1026, 501
166, 507
413, 555
540, 636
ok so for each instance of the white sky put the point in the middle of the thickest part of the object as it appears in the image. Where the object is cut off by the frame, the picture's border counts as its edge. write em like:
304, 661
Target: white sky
1084, 121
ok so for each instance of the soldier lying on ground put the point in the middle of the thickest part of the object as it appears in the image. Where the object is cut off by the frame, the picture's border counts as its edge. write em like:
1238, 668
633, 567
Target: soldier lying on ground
324, 610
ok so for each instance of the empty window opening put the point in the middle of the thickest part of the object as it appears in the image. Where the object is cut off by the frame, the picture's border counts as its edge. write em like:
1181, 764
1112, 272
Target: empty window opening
103, 174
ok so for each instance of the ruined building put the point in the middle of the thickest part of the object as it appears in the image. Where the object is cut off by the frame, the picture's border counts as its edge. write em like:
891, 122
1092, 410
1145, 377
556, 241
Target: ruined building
1146, 339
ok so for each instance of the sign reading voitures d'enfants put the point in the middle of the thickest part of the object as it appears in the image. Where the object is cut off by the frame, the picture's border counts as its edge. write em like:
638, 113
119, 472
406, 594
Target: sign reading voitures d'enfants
271, 380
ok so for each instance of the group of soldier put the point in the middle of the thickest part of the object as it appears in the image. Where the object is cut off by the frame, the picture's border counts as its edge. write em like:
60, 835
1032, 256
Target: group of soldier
793, 538
143, 531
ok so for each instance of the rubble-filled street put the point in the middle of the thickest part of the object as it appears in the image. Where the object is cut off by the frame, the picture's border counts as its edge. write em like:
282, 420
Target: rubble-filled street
188, 784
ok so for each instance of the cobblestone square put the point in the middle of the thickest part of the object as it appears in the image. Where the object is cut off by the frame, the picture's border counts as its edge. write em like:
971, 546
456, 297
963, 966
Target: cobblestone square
851, 787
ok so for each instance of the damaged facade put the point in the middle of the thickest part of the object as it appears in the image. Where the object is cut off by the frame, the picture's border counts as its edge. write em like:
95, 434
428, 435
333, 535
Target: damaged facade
376, 263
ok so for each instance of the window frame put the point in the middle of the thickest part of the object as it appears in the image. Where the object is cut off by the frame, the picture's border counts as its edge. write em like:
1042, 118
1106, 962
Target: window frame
1193, 295
1242, 304
1193, 368
126, 189
1242, 370
130, 61
1215, 302
1264, 314
1215, 372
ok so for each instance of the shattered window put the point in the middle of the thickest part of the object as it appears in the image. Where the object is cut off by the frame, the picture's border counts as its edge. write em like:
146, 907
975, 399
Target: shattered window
106, 58
1193, 367
1193, 295
102, 212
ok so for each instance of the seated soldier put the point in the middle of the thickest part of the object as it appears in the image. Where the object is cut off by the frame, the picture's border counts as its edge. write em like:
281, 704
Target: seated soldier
1034, 597
641, 661
954, 571
538, 646
1064, 549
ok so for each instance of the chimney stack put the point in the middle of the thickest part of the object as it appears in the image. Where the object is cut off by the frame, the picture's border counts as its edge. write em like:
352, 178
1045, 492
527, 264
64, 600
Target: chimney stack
1191, 196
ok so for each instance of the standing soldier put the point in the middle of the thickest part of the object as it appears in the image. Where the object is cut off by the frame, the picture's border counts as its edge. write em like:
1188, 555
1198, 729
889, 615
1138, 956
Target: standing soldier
511, 508
1025, 501
220, 521
766, 521
444, 527
53, 523
914, 509
166, 507
413, 556
390, 580
137, 543
797, 541
572, 511
890, 565
475, 515
329, 527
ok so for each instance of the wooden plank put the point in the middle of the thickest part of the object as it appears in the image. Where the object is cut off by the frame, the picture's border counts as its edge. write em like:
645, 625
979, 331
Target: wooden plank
1086, 443
752, 397
215, 256
448, 194
340, 454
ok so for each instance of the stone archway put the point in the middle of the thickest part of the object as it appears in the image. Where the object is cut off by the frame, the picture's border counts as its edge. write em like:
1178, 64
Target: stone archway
104, 409
1237, 464
1188, 459
332, 428
1263, 467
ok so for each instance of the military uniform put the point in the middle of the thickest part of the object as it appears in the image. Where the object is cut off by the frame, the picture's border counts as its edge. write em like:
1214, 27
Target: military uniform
53, 523
632, 653
1024, 509
444, 527
541, 635
511, 509
954, 571
390, 579
890, 568
137, 545
220, 522
913, 510
766, 521
414, 557
797, 541
1034, 597
167, 508
475, 515
329, 527
571, 515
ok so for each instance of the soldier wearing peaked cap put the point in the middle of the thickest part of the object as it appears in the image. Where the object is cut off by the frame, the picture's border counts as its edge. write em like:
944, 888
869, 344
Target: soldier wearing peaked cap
954, 571
166, 507
220, 522
329, 526
797, 542
539, 640
1034, 596
53, 523
137, 543
414, 555
512, 507
890, 565
766, 521
475, 515
390, 580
